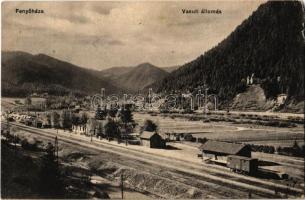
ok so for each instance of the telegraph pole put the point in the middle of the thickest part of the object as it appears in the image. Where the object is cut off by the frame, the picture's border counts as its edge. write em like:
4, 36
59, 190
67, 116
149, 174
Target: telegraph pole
122, 186
92, 134
249, 195
56, 150
7, 121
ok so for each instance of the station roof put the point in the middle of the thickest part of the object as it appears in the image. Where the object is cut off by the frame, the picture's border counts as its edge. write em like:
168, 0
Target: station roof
147, 134
222, 147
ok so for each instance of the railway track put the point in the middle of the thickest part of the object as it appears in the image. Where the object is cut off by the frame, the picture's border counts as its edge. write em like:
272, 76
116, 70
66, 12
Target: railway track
202, 173
214, 190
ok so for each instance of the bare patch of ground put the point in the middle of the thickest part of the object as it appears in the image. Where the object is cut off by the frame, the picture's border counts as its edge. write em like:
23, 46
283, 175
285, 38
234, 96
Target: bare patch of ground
253, 99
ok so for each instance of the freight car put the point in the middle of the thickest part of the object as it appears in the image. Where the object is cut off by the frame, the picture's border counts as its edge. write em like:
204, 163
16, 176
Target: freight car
241, 164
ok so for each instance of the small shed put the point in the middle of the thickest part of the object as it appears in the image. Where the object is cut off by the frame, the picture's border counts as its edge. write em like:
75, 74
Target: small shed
37, 123
218, 151
28, 121
152, 140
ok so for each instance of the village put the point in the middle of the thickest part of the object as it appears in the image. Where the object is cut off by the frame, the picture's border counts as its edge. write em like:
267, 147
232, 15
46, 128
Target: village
250, 146
152, 100
143, 130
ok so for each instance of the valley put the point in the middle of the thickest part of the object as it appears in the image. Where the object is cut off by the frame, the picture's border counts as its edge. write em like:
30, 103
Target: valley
153, 100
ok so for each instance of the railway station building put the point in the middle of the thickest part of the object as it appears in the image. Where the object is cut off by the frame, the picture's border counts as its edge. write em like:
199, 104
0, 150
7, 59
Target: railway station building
218, 151
152, 140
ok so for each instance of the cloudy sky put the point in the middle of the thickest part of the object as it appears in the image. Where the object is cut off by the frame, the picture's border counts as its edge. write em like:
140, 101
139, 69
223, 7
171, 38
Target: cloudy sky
100, 35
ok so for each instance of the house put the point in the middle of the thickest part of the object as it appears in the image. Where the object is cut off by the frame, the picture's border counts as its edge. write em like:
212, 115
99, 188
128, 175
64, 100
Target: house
34, 95
218, 151
37, 123
45, 95
77, 109
28, 121
126, 130
42, 121
46, 121
152, 140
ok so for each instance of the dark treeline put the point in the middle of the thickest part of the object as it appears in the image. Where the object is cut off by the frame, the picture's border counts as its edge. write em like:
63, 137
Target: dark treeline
269, 44
23, 90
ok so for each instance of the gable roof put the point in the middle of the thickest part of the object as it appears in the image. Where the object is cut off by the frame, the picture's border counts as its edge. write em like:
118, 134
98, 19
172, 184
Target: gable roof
147, 134
222, 147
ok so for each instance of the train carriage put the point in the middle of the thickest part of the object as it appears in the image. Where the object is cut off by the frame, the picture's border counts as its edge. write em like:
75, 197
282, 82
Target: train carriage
242, 164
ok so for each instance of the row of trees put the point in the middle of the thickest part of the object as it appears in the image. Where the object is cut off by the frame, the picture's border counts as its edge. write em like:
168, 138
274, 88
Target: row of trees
125, 114
110, 122
113, 123
22, 90
294, 150
79, 120
64, 119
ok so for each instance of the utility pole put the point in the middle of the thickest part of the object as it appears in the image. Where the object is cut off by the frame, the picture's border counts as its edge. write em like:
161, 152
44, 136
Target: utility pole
92, 134
249, 195
56, 150
122, 186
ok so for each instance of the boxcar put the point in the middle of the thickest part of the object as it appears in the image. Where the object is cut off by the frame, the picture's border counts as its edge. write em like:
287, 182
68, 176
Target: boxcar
242, 164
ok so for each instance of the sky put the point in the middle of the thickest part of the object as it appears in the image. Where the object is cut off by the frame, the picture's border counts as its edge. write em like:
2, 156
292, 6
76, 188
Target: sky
100, 35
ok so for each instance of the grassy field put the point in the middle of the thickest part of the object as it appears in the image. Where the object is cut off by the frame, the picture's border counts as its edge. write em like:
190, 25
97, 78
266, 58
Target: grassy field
226, 131
9, 103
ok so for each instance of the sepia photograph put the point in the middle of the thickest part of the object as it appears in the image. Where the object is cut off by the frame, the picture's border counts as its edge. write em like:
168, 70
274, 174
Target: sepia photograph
152, 99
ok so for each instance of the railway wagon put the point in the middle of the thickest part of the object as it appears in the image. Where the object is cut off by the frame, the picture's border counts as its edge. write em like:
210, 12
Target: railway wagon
242, 164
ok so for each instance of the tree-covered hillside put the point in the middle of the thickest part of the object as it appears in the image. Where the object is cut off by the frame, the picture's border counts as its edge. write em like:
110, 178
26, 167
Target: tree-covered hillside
269, 44
23, 74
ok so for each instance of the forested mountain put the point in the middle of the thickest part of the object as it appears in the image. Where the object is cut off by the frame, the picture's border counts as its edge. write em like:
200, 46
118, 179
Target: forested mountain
23, 73
269, 44
139, 77
134, 78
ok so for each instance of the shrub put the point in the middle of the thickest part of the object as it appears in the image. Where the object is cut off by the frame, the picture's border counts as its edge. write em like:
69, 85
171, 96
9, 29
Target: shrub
149, 125
189, 137
202, 140
30, 144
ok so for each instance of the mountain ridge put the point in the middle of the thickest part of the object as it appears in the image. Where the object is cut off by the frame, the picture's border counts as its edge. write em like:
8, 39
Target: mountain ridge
267, 44
23, 73
139, 77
